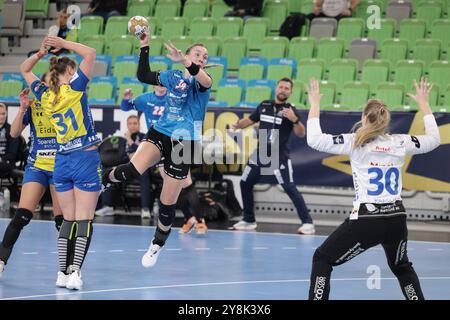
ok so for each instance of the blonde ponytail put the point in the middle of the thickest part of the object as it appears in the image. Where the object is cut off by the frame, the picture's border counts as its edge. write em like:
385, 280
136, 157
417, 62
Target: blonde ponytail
58, 66
377, 117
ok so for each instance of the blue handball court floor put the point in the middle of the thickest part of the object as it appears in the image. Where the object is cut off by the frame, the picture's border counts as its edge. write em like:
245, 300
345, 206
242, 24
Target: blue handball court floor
221, 265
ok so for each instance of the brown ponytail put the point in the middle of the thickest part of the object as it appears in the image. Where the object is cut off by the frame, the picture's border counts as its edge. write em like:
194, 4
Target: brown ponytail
58, 66
378, 118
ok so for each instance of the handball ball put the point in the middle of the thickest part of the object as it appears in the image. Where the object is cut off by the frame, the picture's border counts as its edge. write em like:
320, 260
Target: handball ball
137, 26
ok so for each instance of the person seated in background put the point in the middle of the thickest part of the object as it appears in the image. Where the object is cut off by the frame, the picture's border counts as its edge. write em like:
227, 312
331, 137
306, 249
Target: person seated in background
9, 146
134, 137
61, 30
244, 8
107, 8
333, 9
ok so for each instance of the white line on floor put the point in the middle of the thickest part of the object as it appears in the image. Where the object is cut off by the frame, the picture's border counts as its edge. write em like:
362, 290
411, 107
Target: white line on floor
289, 248
115, 251
200, 285
231, 248
31, 253
260, 248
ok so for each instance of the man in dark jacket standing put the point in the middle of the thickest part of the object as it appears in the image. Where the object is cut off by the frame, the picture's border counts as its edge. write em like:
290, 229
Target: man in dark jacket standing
8, 146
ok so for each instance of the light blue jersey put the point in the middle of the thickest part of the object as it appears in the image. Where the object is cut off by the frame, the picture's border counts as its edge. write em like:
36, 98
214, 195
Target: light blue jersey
185, 106
149, 103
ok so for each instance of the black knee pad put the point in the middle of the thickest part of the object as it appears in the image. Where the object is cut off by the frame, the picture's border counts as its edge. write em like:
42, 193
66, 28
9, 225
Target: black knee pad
68, 229
21, 218
84, 228
58, 221
126, 172
166, 214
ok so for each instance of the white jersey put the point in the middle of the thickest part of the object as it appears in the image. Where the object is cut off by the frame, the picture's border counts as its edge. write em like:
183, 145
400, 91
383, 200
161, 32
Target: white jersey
376, 166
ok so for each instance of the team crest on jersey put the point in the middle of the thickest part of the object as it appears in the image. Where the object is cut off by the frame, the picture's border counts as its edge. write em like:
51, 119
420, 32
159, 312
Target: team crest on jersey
338, 139
39, 86
182, 85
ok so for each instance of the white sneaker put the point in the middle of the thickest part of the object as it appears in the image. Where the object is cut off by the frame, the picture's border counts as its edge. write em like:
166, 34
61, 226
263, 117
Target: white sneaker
307, 228
74, 281
2, 267
61, 281
243, 225
145, 214
105, 211
151, 256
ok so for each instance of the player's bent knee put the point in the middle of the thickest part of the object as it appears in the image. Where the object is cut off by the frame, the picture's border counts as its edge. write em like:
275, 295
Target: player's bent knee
126, 172
21, 218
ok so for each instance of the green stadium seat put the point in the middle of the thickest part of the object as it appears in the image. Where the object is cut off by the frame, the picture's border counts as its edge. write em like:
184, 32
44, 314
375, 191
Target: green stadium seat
234, 49
394, 50
160, 63
433, 99
36, 8
328, 91
342, 71
115, 26
446, 106
136, 89
354, 96
276, 11
257, 93
202, 27
408, 70
350, 29
120, 45
10, 89
310, 68
301, 48
125, 66
296, 97
295, 6
100, 93
173, 27
195, 8
274, 47
167, 8
427, 50
218, 72
330, 49
213, 44
182, 42
40, 67
306, 6
156, 46
90, 25
429, 11
375, 72
96, 41
439, 73
140, 8
154, 25
219, 8
387, 31
281, 68
230, 91
412, 29
440, 30
255, 30
252, 68
229, 27
391, 94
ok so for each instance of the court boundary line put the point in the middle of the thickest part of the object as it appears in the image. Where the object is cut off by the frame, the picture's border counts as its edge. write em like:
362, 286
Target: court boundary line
200, 285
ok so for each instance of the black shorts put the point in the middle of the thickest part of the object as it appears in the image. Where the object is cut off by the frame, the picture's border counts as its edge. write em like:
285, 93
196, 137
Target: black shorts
176, 156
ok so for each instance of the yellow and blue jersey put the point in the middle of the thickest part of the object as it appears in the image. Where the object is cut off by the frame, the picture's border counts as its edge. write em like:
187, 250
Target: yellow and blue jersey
42, 138
70, 116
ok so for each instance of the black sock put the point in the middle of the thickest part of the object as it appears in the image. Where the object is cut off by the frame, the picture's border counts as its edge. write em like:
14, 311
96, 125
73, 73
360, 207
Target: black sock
12, 232
58, 221
65, 244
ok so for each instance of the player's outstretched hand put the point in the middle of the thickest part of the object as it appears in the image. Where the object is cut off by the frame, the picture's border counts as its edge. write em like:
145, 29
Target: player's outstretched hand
422, 94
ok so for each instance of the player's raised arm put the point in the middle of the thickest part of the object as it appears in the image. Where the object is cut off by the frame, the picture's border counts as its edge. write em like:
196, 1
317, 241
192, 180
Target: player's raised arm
431, 139
28, 64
